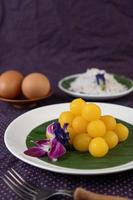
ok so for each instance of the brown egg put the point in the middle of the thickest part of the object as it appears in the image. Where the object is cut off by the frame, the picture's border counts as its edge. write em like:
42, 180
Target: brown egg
35, 85
10, 84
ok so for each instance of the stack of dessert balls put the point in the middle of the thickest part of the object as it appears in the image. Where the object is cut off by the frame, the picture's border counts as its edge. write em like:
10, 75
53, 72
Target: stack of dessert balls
91, 131
33, 86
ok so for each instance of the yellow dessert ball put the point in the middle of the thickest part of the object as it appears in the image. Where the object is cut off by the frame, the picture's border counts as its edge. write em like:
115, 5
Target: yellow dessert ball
77, 105
81, 142
122, 132
96, 128
110, 122
65, 118
91, 112
79, 124
72, 133
111, 138
98, 147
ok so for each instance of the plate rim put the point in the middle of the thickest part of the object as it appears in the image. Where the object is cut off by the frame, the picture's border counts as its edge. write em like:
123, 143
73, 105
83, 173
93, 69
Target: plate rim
59, 169
97, 97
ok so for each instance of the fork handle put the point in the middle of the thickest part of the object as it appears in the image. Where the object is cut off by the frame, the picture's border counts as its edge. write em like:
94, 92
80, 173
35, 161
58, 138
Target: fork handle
82, 194
68, 193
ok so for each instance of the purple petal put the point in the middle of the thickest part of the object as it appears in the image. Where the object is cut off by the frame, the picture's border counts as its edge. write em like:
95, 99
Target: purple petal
50, 128
42, 143
57, 150
56, 125
50, 131
35, 152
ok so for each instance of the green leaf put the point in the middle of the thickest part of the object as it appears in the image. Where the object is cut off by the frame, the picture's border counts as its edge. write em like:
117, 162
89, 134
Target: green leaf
66, 83
121, 154
123, 80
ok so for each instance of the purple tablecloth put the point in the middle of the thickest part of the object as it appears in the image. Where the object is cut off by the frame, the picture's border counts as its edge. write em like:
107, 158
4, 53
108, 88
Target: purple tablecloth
59, 38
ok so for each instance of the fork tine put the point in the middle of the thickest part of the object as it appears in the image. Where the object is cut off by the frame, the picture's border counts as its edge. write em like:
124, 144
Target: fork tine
21, 181
16, 190
18, 185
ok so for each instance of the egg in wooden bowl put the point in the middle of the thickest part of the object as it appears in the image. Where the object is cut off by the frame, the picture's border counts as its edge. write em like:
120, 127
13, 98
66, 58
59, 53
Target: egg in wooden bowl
24, 92
10, 84
35, 85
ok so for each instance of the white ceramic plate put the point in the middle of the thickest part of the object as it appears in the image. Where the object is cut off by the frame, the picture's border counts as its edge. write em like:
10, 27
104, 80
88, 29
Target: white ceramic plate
17, 131
64, 85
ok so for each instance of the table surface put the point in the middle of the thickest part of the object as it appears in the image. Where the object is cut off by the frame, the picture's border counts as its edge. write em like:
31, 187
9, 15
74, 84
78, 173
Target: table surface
45, 46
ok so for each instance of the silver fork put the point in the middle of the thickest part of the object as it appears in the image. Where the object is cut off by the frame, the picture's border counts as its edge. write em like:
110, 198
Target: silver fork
27, 191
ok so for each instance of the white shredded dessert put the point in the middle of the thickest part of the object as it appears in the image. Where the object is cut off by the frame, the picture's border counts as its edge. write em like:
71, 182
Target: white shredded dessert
87, 83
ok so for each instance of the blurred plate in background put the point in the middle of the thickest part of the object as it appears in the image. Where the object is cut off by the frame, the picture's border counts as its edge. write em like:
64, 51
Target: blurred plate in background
64, 85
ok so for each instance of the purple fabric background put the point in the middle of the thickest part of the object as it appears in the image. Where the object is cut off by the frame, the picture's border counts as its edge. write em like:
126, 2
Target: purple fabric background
59, 38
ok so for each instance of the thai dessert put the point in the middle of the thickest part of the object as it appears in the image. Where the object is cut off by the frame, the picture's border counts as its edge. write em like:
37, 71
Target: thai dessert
83, 128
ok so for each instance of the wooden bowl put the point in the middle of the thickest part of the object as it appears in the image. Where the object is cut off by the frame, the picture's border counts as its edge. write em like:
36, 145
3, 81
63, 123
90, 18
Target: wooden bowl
22, 102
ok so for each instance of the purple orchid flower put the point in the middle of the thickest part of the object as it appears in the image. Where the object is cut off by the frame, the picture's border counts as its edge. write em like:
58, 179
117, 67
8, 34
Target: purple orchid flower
53, 147
101, 81
50, 147
61, 134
